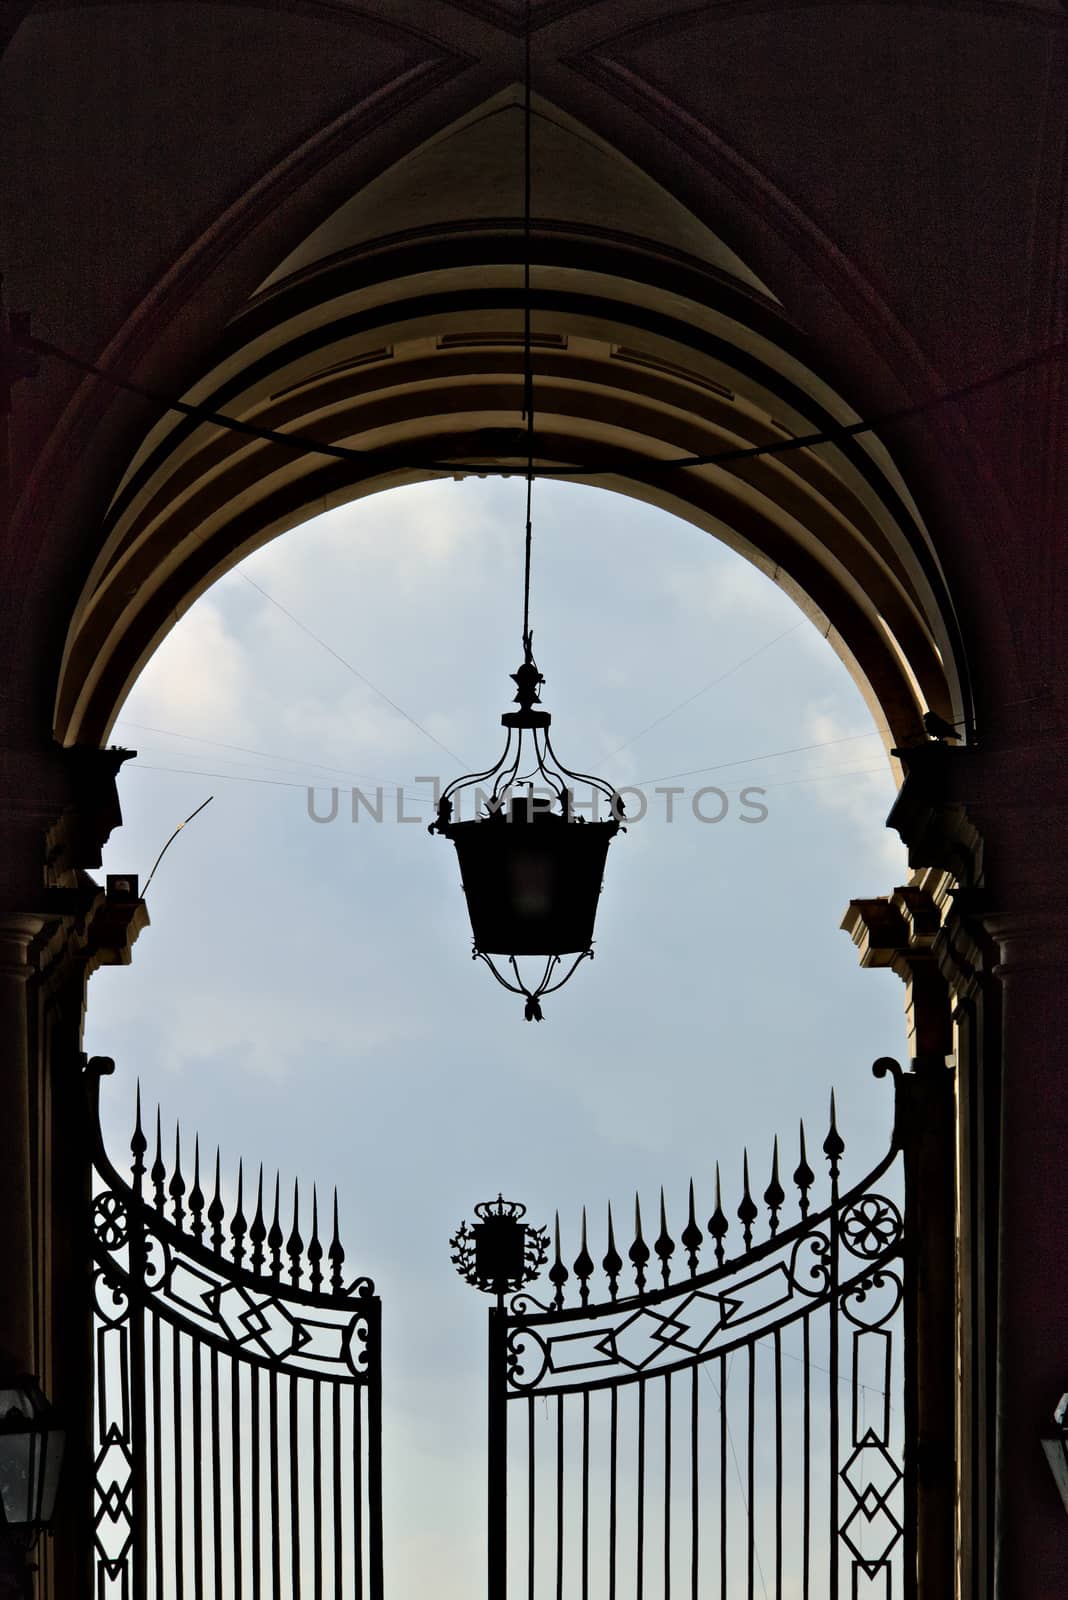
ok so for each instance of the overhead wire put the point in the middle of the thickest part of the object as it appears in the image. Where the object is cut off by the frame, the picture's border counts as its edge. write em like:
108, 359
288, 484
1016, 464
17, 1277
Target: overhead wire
308, 446
356, 673
266, 755
649, 726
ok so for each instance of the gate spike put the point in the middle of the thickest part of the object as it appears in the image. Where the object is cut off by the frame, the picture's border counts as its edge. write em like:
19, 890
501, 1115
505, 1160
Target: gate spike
747, 1211
583, 1265
717, 1222
639, 1250
558, 1273
176, 1187
138, 1146
613, 1261
774, 1194
196, 1195
665, 1244
295, 1244
258, 1231
315, 1249
692, 1237
238, 1225
158, 1173
804, 1176
336, 1254
275, 1237
216, 1213
834, 1144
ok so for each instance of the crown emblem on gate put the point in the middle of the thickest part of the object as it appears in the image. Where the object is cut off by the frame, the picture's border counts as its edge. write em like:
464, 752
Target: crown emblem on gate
499, 1253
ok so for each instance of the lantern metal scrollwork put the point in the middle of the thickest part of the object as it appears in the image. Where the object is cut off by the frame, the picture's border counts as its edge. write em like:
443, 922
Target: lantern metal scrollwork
531, 866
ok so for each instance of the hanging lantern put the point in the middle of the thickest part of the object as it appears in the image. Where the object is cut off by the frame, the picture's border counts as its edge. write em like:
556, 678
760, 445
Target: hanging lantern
531, 866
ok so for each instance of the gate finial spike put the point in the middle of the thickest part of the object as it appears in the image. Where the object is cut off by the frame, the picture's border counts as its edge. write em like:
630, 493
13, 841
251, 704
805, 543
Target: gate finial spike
747, 1211
196, 1194
583, 1264
138, 1144
258, 1231
692, 1236
295, 1244
834, 1144
238, 1225
335, 1253
216, 1212
558, 1273
639, 1250
665, 1244
804, 1176
158, 1173
176, 1187
315, 1249
774, 1194
613, 1261
717, 1222
275, 1237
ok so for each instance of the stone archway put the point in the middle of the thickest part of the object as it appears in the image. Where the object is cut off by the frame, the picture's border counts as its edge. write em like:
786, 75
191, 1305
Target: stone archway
912, 275
403, 349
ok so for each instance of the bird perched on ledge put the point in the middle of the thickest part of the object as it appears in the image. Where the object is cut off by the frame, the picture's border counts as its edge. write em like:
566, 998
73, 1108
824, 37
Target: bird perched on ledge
938, 727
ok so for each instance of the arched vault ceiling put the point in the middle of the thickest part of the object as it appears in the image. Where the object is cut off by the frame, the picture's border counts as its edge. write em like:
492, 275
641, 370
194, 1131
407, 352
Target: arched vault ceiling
894, 173
408, 350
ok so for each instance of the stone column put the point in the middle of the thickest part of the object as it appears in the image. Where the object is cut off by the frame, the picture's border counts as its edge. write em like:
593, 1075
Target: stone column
997, 818
1032, 1530
18, 1203
900, 931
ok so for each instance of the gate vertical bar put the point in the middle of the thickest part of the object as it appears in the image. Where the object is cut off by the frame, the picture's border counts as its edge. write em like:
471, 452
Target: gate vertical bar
138, 1251
178, 1513
497, 1441
374, 1447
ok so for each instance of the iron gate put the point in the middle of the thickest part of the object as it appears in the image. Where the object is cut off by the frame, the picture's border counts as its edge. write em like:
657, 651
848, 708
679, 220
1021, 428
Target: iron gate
237, 1389
733, 1425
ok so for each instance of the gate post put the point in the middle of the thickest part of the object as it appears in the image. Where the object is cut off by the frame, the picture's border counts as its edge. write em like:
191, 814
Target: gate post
497, 1457
925, 1131
499, 1254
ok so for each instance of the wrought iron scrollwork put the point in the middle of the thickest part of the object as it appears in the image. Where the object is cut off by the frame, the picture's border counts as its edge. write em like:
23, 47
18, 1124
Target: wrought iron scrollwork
808, 1282
222, 1347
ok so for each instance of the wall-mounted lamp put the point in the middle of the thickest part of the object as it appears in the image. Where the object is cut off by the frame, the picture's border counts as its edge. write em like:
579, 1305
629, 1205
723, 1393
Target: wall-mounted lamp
1055, 1445
31, 1451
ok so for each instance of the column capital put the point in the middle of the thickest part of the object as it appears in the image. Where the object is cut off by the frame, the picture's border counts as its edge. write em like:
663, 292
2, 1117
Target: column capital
900, 931
19, 932
1034, 939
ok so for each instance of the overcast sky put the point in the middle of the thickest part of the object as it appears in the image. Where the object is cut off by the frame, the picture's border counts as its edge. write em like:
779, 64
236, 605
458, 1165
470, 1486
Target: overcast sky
305, 995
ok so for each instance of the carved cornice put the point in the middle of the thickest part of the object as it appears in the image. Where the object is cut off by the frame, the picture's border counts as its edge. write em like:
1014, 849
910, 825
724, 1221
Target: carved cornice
900, 931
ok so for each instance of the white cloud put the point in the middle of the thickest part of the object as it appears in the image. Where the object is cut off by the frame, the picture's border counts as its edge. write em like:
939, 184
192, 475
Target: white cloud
851, 779
199, 678
728, 588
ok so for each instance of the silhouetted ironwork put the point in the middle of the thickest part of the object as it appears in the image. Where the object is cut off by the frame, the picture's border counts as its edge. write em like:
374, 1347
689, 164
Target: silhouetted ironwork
237, 1411
531, 868
500, 1252
727, 1429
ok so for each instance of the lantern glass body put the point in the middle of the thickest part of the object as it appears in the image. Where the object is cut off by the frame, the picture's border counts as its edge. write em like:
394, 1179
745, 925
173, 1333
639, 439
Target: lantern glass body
31, 1449
532, 880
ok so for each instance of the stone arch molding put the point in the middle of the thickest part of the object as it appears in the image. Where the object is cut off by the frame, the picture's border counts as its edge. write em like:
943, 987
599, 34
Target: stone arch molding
395, 330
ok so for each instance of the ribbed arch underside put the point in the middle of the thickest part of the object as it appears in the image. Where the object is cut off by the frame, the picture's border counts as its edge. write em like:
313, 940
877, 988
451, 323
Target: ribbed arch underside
409, 351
